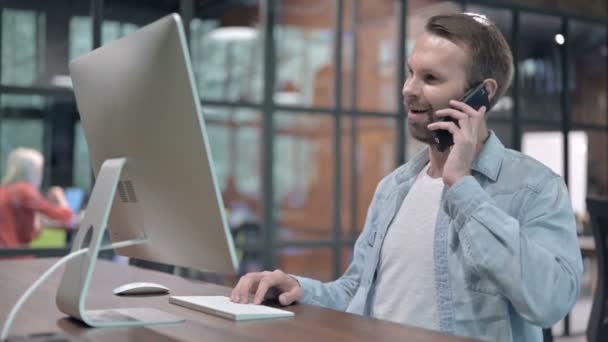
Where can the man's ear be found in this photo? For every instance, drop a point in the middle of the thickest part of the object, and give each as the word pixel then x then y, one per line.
pixel 491 87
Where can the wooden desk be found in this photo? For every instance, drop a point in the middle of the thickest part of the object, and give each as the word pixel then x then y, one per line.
pixel 311 324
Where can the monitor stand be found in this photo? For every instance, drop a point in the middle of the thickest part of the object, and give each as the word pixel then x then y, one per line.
pixel 74 286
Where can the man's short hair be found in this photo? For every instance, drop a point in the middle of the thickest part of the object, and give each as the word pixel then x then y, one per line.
pixel 489 51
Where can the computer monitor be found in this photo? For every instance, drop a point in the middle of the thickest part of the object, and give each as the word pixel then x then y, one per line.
pixel 141 116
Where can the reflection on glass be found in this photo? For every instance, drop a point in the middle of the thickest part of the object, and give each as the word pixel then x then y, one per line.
pixel 589 51
pixel 235 141
pixel 34 48
pixel 540 73
pixel 304 37
pixel 304 176
pixel 227 47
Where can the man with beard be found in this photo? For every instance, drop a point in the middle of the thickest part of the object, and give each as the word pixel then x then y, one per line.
pixel 475 240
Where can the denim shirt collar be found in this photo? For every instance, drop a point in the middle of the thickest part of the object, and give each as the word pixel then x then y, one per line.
pixel 487 163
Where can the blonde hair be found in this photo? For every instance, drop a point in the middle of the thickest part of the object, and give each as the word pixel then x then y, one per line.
pixel 24 165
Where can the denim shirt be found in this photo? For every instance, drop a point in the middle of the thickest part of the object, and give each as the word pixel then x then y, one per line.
pixel 506 254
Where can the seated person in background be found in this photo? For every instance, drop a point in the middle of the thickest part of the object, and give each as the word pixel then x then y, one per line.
pixel 475 240
pixel 21 202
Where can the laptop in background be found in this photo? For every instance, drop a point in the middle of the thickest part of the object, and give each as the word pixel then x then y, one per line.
pixel 75 198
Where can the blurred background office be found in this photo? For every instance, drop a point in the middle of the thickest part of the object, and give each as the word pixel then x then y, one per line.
pixel 302 100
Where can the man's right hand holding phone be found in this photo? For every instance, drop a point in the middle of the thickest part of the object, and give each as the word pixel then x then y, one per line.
pixel 467 141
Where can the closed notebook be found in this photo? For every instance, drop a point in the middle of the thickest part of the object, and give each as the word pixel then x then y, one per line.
pixel 223 307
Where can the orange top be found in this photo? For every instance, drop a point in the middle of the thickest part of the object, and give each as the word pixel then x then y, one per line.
pixel 19 203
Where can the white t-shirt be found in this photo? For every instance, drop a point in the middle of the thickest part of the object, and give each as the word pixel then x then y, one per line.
pixel 405 290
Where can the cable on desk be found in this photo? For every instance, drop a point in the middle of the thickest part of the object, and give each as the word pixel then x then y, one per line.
pixel 45 275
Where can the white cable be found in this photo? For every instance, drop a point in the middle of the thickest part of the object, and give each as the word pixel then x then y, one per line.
pixel 42 278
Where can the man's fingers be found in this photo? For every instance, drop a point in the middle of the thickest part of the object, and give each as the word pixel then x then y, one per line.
pixel 290 296
pixel 447 125
pixel 265 284
pixel 451 113
pixel 240 293
pixel 262 284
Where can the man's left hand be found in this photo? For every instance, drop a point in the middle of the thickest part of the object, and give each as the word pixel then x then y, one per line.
pixel 466 138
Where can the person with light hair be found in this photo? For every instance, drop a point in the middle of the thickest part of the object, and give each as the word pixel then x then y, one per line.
pixel 21 203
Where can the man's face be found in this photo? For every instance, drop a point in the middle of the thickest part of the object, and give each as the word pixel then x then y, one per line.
pixel 437 74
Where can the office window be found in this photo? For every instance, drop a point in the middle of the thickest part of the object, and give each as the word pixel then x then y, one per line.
pixel 17 133
pixel 34 48
pixel 540 73
pixel 235 141
pixel 19 46
pixel 20 125
pixel 304 38
pixel 226 45
pixel 377 66
pixel 304 176
pixel 374 154
pixel 80 36
pixel 589 81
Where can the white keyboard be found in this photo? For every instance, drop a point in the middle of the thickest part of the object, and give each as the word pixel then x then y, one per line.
pixel 222 306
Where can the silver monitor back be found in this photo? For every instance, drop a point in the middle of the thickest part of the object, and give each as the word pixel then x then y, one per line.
pixel 137 100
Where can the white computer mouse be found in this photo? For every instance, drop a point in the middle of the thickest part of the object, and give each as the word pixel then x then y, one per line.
pixel 141 288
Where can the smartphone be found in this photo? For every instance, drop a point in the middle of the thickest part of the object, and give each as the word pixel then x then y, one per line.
pixel 475 97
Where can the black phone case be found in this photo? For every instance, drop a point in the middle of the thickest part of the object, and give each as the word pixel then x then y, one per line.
pixel 476 97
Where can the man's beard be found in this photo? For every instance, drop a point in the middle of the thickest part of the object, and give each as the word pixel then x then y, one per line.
pixel 419 131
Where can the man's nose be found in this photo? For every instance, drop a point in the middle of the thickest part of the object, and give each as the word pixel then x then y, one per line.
pixel 410 89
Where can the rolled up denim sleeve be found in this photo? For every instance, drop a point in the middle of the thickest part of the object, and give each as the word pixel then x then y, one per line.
pixel 534 259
